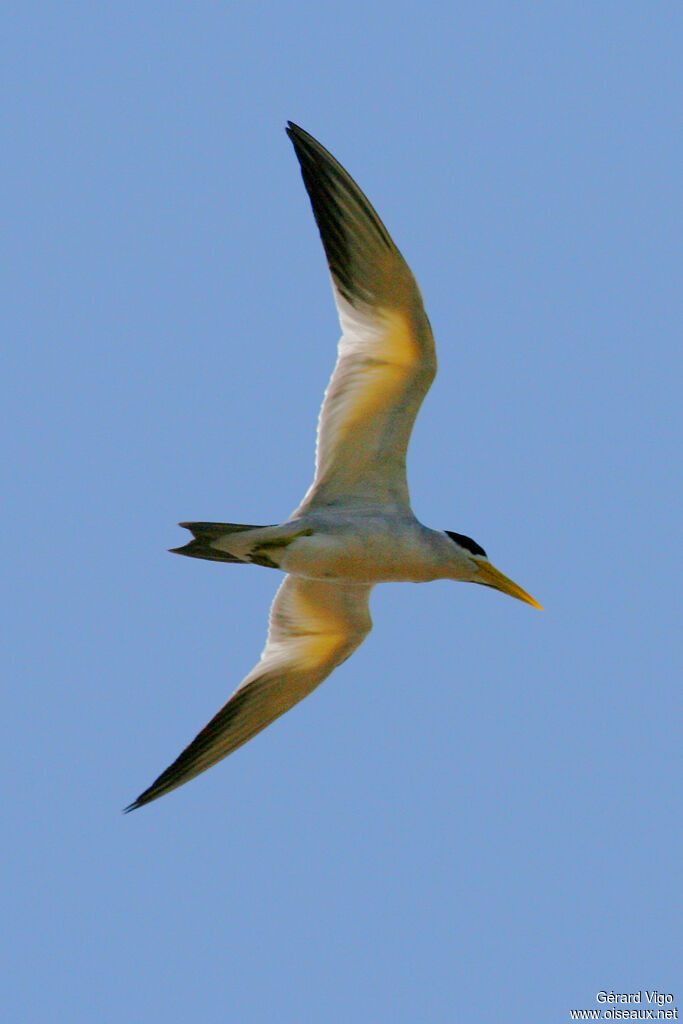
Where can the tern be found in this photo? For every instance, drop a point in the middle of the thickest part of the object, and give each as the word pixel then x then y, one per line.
pixel 354 527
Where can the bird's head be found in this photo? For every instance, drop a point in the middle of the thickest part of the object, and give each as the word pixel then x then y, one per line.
pixel 481 571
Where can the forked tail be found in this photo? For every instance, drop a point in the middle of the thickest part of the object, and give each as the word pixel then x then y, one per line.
pixel 205 536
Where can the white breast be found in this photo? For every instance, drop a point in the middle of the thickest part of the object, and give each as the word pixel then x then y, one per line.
pixel 375 553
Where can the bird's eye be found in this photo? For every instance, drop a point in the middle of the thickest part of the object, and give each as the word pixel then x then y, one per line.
pixel 467 543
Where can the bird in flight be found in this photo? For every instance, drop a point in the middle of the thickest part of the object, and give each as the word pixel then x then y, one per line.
pixel 355 526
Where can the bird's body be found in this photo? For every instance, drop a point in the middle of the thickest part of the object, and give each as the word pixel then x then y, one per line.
pixel 351 546
pixel 354 527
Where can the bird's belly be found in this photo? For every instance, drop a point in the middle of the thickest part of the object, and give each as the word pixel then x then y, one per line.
pixel 372 558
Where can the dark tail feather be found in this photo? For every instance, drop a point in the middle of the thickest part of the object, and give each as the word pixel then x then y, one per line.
pixel 204 534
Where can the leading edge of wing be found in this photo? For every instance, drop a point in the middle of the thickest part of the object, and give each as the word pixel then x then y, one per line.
pixel 314 626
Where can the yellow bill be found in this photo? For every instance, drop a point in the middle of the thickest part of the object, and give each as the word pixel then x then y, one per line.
pixel 492 577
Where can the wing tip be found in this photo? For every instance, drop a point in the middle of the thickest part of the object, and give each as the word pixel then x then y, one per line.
pixel 307 148
pixel 145 797
pixel 148 795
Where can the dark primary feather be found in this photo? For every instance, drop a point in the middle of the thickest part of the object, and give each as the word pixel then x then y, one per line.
pixel 363 260
pixel 240 719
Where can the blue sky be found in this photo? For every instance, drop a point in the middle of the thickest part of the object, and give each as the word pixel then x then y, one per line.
pixel 477 818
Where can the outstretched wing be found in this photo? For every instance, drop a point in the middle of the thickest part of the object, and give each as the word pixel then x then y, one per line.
pixel 386 359
pixel 314 626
